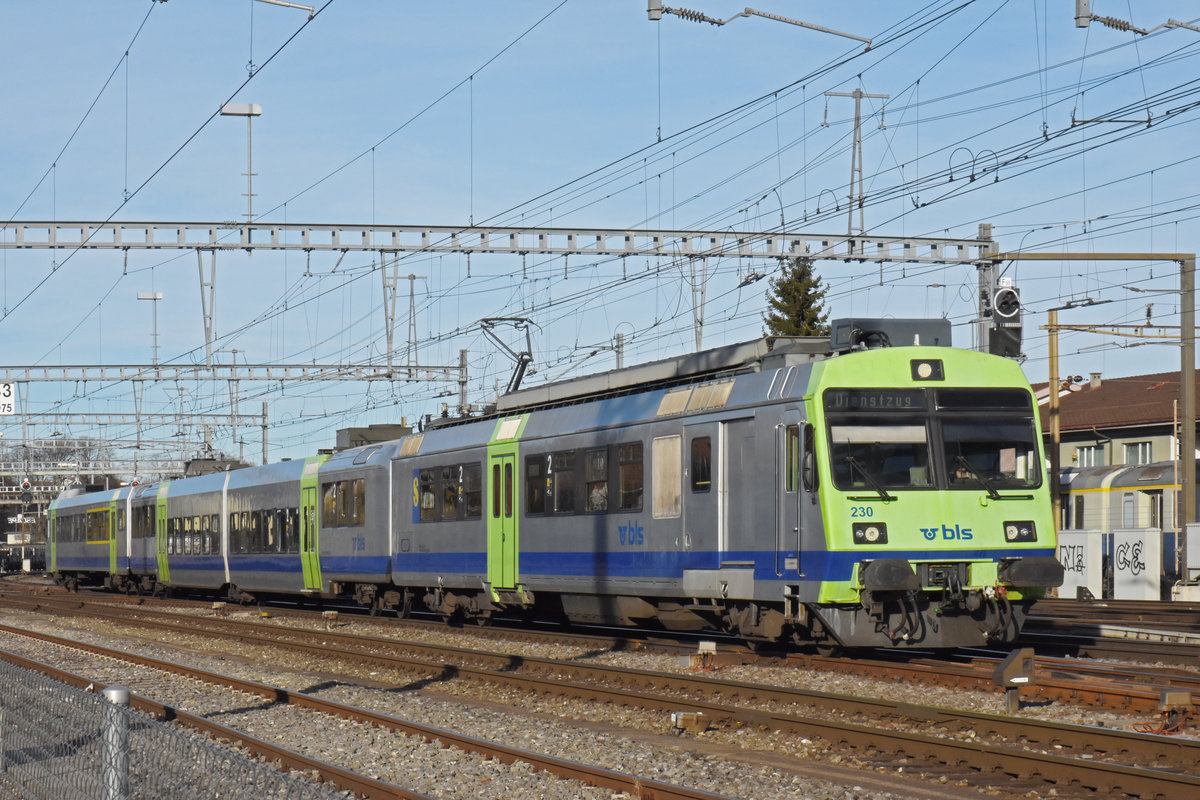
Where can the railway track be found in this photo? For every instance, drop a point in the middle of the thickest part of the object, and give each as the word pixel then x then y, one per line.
pixel 345 779
pixel 1120 629
pixel 1058 680
pixel 978 748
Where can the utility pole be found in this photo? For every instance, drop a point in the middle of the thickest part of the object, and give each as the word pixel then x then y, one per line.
pixel 856 157
pixel 699 288
pixel 412 322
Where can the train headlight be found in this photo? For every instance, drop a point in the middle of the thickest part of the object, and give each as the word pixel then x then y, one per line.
pixel 1020 531
pixel 870 533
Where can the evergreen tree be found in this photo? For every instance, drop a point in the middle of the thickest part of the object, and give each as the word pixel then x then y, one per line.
pixel 796 302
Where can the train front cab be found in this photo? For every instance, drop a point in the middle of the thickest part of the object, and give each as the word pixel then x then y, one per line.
pixel 936 511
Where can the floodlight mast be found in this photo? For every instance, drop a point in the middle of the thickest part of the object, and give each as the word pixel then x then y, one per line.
pixel 655 10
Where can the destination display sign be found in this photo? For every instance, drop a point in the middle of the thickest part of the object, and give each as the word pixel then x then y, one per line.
pixel 874 399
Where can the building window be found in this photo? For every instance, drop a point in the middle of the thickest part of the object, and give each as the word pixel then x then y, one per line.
pixel 1090 456
pixel 1137 453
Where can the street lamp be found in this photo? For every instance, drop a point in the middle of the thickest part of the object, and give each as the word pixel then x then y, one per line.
pixel 154 297
pixel 249 111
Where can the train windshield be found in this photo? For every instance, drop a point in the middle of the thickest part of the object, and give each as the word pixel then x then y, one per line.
pixel 870 456
pixel 881 439
pixel 996 453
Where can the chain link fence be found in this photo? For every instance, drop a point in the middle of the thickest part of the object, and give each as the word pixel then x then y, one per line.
pixel 61 743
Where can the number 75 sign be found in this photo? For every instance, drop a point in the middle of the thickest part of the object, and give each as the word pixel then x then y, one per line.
pixel 8 398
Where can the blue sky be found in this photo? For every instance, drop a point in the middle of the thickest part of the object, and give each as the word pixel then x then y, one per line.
pixel 573 114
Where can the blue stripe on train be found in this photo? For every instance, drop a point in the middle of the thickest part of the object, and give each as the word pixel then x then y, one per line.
pixel 817 566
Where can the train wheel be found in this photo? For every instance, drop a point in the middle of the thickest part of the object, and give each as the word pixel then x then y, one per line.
pixel 376 607
pixel 829 649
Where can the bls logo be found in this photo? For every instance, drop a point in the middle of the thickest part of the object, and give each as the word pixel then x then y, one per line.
pixel 947 533
pixel 631 534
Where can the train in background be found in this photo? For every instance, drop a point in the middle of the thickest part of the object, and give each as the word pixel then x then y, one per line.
pixel 841 492
pixel 1106 500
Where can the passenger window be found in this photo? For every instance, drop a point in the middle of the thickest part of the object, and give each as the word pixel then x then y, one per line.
pixel 329 505
pixel 449 493
pixel 667 467
pixel 562 473
pixel 359 490
pixel 629 476
pixel 701 464
pixel 535 484
pixel 471 495
pixel 428 498
pixel 597 481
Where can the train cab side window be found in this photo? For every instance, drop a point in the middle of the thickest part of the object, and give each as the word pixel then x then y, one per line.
pixel 563 476
pixel 597 481
pixel 630 479
pixel 666 465
pixel 427 490
pixel 701 464
pixel 1078 501
pixel 808 461
pixel 791 458
pixel 535 485
pixel 472 495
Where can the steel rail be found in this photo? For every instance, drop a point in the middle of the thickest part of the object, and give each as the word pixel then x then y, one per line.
pixel 1099 775
pixel 559 767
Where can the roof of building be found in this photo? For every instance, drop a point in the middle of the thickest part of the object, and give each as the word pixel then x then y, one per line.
pixel 1115 402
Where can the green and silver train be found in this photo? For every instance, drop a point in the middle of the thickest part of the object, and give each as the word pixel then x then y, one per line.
pixel 844 493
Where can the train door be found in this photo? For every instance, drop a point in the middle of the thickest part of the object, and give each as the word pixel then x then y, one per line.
pixel 160 534
pixel 310 523
pixel 502 520
pixel 703 496
pixel 114 531
pixel 789 448
pixel 310 558
pixel 52 537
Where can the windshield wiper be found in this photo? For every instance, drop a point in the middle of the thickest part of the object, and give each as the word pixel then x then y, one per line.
pixel 869 479
pixel 991 490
